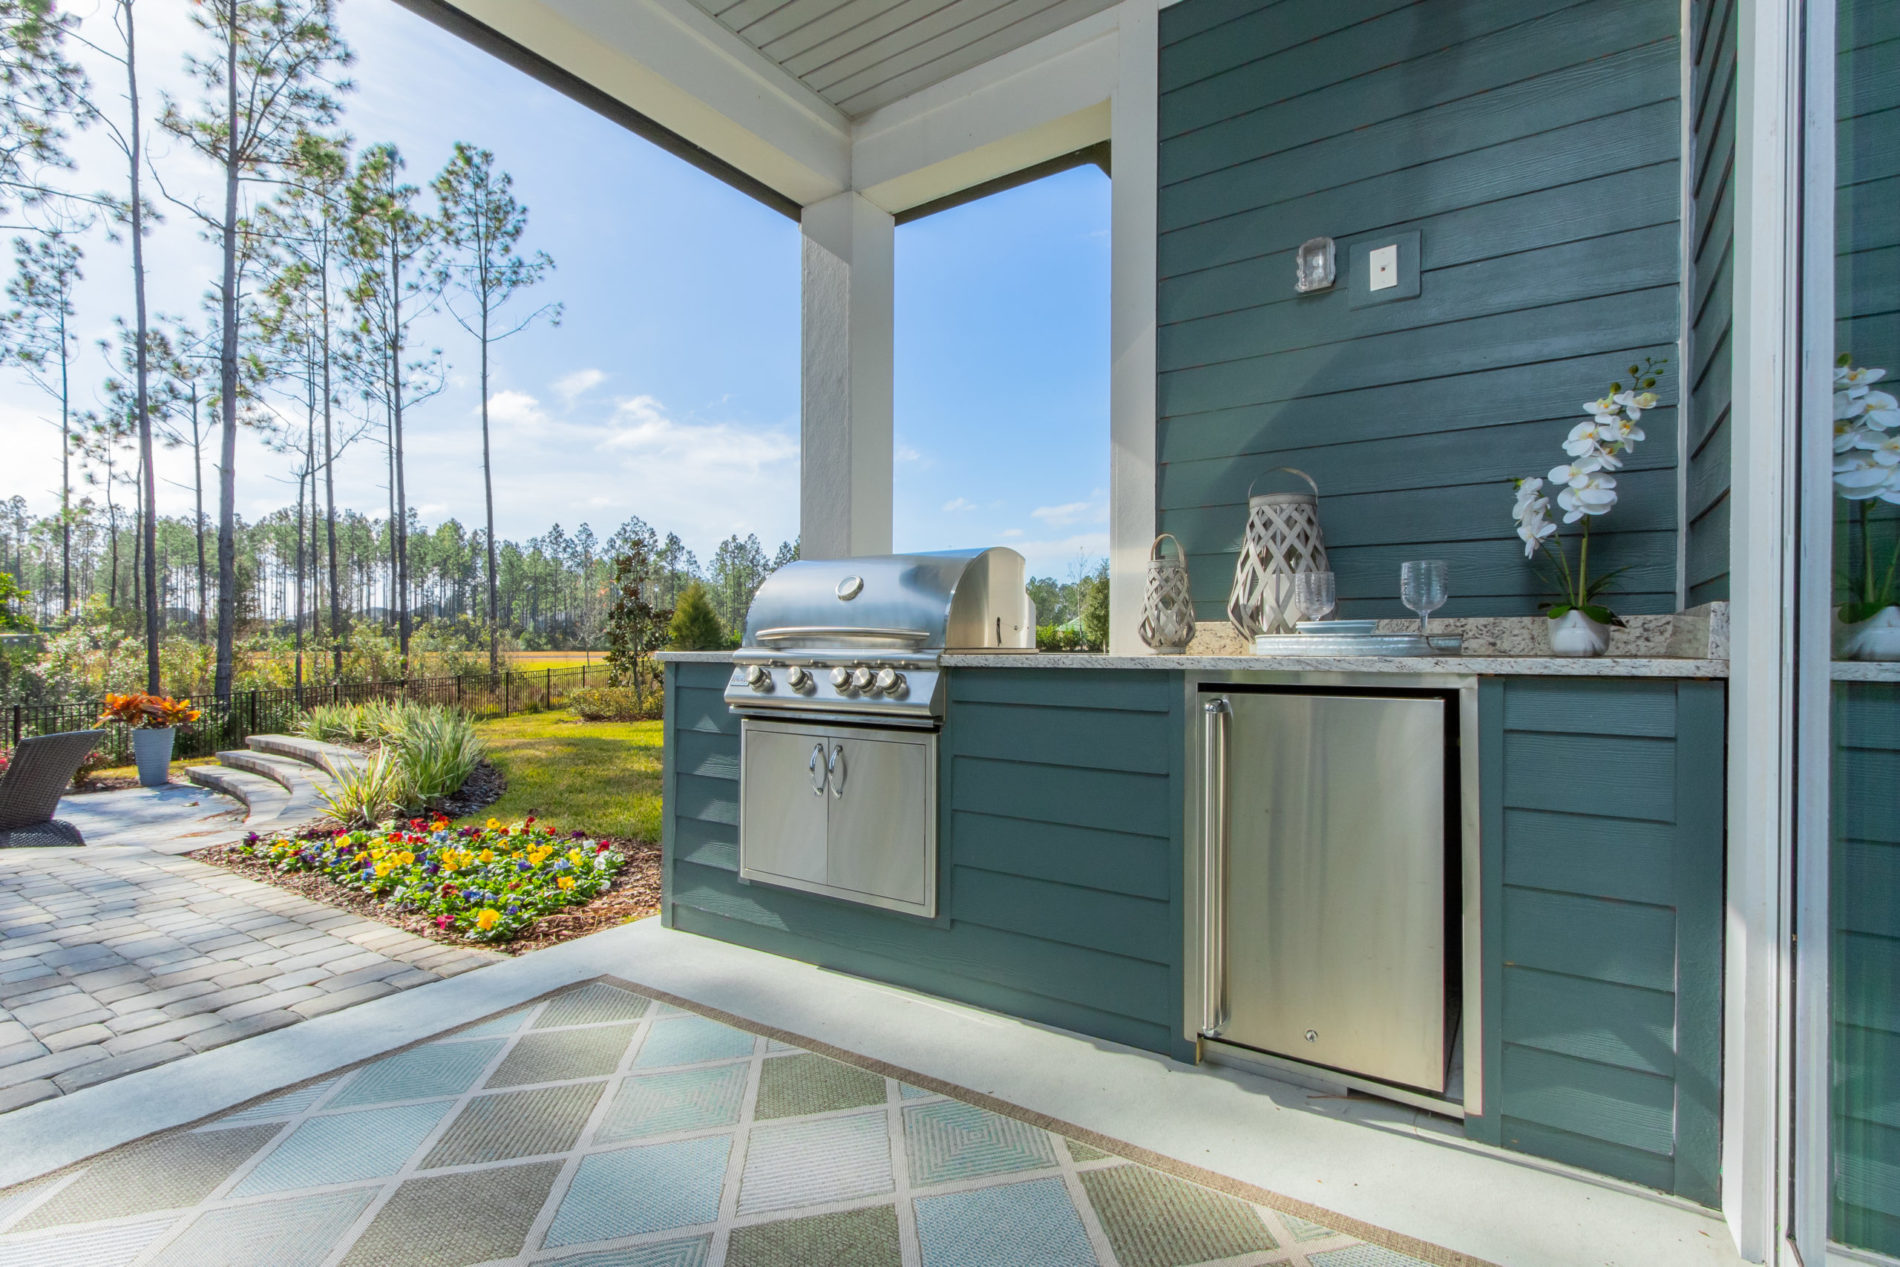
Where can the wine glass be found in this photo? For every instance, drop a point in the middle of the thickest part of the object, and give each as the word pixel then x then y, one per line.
pixel 1424 587
pixel 1314 594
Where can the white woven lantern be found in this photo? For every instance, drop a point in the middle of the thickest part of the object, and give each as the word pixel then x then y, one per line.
pixel 1283 538
pixel 1167 608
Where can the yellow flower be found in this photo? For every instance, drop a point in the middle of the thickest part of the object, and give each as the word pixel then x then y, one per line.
pixel 493 823
pixel 383 869
pixel 487 918
pixel 405 857
pixel 576 857
pixel 566 882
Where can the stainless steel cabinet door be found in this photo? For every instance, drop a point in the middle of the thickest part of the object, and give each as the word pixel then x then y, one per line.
pixel 882 811
pixel 1335 910
pixel 782 804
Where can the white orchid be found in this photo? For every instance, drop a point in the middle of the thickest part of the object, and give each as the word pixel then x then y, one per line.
pixel 1585 487
pixel 1634 402
pixel 1532 513
pixel 1621 432
pixel 1860 476
pixel 1576 470
pixel 1594 494
pixel 1584 439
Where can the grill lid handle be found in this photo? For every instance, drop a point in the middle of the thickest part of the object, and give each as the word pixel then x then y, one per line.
pixel 842 634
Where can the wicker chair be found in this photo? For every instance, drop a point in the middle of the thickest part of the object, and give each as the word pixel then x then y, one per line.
pixel 42 768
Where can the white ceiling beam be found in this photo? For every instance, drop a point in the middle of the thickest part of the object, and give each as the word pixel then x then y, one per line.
pixel 673 63
pixel 1039 102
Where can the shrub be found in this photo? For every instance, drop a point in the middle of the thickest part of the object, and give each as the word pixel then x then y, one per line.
pixel 370 793
pixel 485 883
pixel 95 761
pixel 1059 638
pixel 438 749
pixel 615 703
pixel 332 723
pixel 695 624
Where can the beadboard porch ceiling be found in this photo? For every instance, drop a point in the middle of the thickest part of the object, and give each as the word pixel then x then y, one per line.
pixel 862 54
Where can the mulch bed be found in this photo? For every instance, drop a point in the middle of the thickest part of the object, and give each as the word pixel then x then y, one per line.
pixel 635 893
pixel 105 783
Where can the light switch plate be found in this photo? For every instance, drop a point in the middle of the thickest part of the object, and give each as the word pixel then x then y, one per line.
pixel 1382 268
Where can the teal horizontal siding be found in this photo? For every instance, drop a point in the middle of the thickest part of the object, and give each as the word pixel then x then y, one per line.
pixel 1601 819
pixel 1711 317
pixel 1534 145
pixel 1864 993
pixel 1059 854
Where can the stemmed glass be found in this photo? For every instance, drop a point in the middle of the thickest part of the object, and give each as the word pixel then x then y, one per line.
pixel 1424 586
pixel 1314 594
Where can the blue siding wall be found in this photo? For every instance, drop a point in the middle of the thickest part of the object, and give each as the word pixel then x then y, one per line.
pixel 1603 828
pixel 1711 315
pixel 1534 145
pixel 1866 965
pixel 1059 853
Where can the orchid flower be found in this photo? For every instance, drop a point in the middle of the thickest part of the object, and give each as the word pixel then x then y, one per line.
pixel 1594 494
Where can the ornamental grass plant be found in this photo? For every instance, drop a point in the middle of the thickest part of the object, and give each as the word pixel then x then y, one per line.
pixel 423 753
pixel 486 884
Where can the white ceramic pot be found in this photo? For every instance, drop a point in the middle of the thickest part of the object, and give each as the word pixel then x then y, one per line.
pixel 1875 638
pixel 1574 633
pixel 152 749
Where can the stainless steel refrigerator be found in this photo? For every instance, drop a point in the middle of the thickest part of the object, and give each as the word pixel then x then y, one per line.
pixel 1331 873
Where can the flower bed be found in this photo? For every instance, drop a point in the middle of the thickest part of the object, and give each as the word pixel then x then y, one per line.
pixel 485 884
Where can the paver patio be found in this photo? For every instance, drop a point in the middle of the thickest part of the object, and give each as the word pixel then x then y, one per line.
pixel 120 958
pixel 601 1127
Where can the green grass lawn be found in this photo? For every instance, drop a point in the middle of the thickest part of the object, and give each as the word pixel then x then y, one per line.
pixel 601 777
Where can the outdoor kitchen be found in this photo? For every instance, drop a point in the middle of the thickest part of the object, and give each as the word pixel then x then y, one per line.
pixel 1411 771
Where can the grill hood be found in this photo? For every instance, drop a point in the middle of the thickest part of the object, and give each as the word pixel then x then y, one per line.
pixel 950 600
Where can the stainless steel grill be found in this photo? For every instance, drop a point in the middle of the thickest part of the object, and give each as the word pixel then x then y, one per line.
pixel 840 688
pixel 863 639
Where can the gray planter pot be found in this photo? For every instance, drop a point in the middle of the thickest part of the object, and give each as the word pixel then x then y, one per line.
pixel 152 748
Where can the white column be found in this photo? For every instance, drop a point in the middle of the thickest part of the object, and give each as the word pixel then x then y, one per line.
pixel 1135 141
pixel 845 468
pixel 1761 607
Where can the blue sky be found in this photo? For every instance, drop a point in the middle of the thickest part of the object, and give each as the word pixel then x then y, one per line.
pixel 670 390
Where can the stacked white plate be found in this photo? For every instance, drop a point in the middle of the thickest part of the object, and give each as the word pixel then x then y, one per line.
pixel 1350 638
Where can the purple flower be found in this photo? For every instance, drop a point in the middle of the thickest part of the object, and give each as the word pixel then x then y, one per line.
pixel 513 909
pixel 523 865
pixel 431 869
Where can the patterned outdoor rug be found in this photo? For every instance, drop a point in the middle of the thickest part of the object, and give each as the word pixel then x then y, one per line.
pixel 603 1127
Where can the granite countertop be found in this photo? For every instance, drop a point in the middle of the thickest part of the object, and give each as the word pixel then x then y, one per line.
pixel 1497 666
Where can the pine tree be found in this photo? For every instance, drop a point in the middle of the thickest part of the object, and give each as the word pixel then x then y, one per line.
pixel 481 225
pixel 695 625
pixel 398 278
pixel 268 82
pixel 38 337
pixel 41 94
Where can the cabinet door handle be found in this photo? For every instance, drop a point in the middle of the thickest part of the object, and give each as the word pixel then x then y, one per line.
pixel 835 770
pixel 818 769
pixel 1214 869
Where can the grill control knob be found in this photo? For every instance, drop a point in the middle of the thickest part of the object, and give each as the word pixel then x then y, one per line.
pixel 759 678
pixel 862 679
pixel 890 682
pixel 841 678
pixel 797 678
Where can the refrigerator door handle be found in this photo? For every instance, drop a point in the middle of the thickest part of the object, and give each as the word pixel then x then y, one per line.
pixel 1214 869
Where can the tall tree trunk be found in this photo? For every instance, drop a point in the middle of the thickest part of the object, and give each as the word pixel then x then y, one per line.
pixel 302 476
pixel 65 471
pixel 402 499
pixel 228 376
pixel 488 492
pixel 389 448
pixel 198 523
pixel 329 464
pixel 148 515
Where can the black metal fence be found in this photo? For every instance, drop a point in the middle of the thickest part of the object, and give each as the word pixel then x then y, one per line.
pixel 263 712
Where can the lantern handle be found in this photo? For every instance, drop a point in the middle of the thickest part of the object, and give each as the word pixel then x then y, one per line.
pixel 1290 471
pixel 1154 551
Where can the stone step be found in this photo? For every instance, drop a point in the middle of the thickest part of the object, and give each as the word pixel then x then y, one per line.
pixel 328 757
pixel 305 783
pixel 264 798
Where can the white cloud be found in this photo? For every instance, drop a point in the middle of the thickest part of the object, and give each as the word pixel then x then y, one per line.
pixel 959 503
pixel 515 409
pixel 571 386
pixel 1071 513
pixel 1010 533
